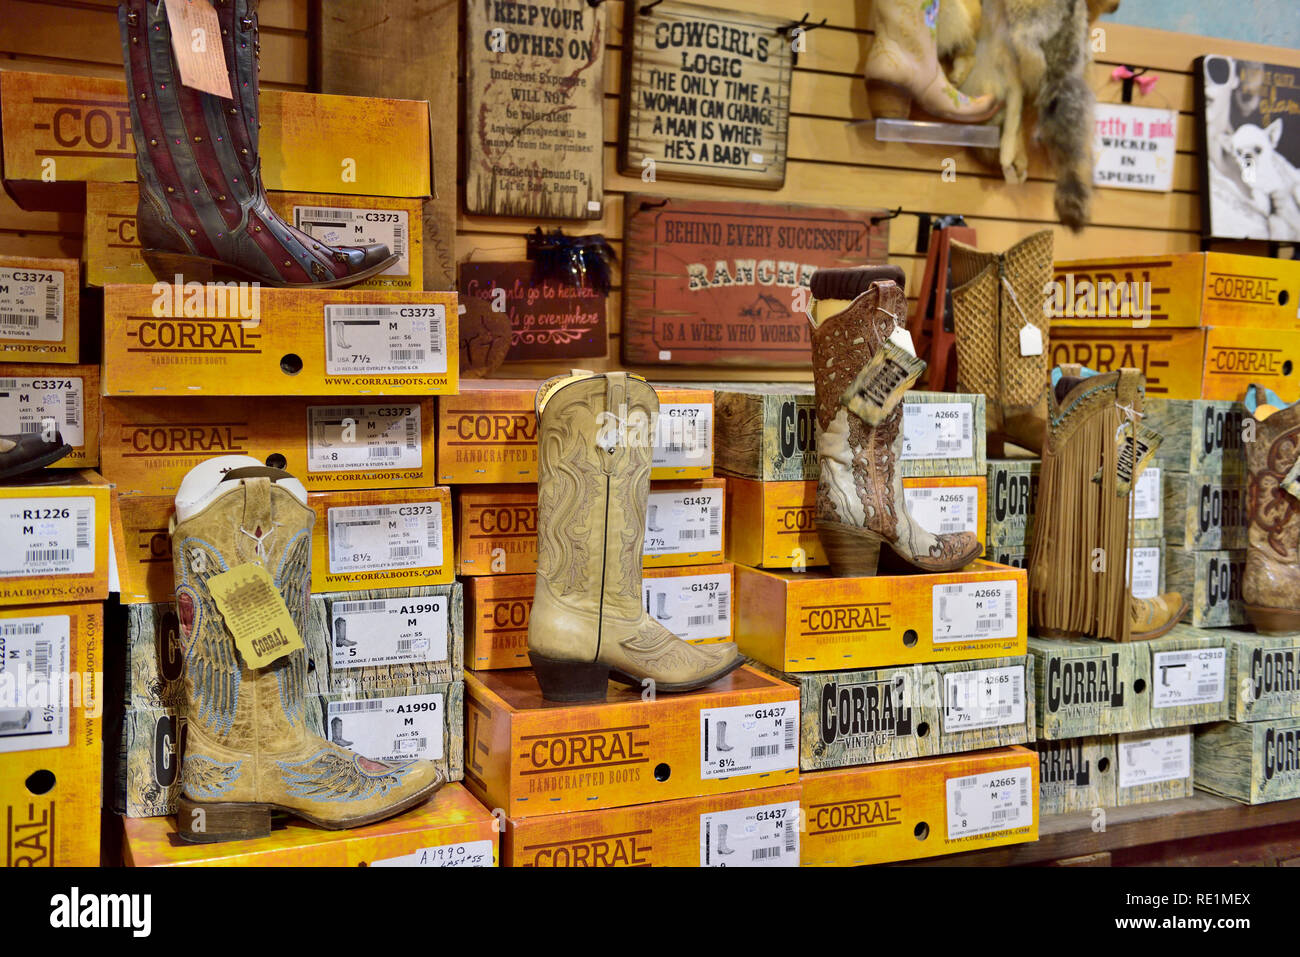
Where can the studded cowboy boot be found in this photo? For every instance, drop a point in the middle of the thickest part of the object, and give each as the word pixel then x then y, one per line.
pixel 30 452
pixel 249 751
pixel 203 213
pixel 903 63
pixel 860 502
pixel 588 623
pixel 1078 582
pixel 1271 586
pixel 997 315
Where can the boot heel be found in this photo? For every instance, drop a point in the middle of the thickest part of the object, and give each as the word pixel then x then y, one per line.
pixel 1273 621
pixel 570 680
pixel 851 554
pixel 200 823
pixel 887 101
pixel 166 266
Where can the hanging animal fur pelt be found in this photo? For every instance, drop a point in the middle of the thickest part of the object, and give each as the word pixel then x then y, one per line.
pixel 572 260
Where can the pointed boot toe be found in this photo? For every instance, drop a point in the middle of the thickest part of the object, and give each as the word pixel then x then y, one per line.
pixel 1152 617
pixel 30 452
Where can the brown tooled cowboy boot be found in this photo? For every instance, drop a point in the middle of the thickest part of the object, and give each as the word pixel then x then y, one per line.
pixel 203 213
pixel 1078 581
pixel 589 622
pixel 995 297
pixel 1271 585
pixel 860 502
pixel 249 751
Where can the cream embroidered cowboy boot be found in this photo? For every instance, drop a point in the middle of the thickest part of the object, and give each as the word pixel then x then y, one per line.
pixel 588 623
pixel 1271 586
pixel 249 751
pixel 903 62
pixel 998 316
pixel 860 501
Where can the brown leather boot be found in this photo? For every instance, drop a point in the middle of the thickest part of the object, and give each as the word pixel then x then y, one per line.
pixel 860 500
pixel 1271 586
pixel 203 214
pixel 249 751
pixel 1152 617
pixel 588 623
pixel 995 296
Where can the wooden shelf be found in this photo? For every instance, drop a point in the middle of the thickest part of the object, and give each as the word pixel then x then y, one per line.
pixel 1067 836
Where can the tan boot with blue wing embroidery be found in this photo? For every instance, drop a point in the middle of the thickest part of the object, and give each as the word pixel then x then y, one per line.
pixel 250 751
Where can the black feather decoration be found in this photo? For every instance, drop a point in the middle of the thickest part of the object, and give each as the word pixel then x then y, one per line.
pixel 572 260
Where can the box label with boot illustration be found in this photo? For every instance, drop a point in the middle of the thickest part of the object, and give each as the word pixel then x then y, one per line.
pixel 40 398
pixel 40 307
pixel 1187 673
pixel 391 538
pixel 58 540
pixel 1153 766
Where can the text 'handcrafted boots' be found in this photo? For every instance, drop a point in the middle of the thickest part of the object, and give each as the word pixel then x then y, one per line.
pixel 1271 587
pixel 203 213
pixel 998 316
pixel 860 501
pixel 589 623
pixel 1078 560
pixel 249 750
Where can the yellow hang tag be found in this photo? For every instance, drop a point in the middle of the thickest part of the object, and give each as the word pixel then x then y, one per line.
pixel 196 41
pixel 255 613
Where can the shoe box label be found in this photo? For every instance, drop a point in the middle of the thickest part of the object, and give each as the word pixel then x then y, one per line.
pixel 988 698
pixel 338 226
pixel 938 430
pixel 400 728
pixel 1147 495
pixel 945 510
pixel 1150 759
pixel 1144 565
pixel 1182 678
pixel 684 436
pixel 53 536
pixel 382 339
pixel 34 669
pixel 342 438
pixel 748 739
pixel 460 854
pixel 389 631
pixel 684 520
pixel 974 611
pixel 763 836
pixel 985 803
pixel 691 606
pixel 31 304
pixel 27 404
pixel 385 537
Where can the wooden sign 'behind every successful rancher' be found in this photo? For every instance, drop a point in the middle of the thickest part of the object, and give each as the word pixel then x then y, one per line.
pixel 707 96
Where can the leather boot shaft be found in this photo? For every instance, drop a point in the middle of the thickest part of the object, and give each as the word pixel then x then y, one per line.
pixel 1271 586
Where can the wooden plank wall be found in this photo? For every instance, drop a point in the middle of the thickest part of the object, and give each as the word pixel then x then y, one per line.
pixel 831 161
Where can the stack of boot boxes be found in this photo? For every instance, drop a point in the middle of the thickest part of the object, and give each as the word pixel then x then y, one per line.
pixel 1115 719
pixel 1254 756
pixel 1206 514
pixel 487 450
pixel 766 449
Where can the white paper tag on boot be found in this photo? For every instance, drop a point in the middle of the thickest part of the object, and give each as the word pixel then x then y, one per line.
pixel 196 41
pixel 1031 341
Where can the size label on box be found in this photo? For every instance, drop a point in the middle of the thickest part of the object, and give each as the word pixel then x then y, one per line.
pixel 974 611
pixel 691 606
pixel 684 435
pixel 1147 494
pixel 401 728
pixel 985 803
pixel 385 339
pixel 341 438
pixel 1188 677
pixel 465 854
pixel 765 836
pixel 34 684
pixel 684 521
pixel 939 430
pixel 28 405
pixel 945 511
pixel 989 698
pixel 47 536
pixel 1144 572
pixel 389 631
pixel 1166 757
pixel 749 739
pixel 31 305
pixel 382 537
pixel 359 227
